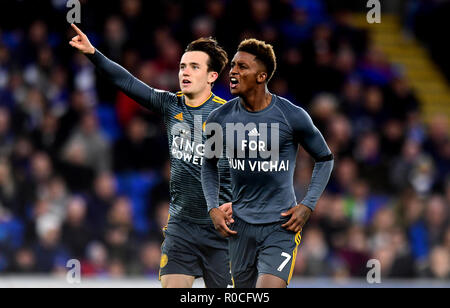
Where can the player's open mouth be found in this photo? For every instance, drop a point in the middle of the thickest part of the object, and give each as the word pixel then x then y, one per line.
pixel 185 82
pixel 233 82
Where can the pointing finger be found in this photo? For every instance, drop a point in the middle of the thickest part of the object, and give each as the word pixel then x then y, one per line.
pixel 77 30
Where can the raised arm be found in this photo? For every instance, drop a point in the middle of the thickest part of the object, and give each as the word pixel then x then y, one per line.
pixel 146 96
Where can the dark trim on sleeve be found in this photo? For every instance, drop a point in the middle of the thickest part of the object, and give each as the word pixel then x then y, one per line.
pixel 325 158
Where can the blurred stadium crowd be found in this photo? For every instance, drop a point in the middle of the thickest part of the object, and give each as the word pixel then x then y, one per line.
pixel 84 170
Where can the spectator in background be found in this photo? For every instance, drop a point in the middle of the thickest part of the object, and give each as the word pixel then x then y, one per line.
pixel 382 224
pixel 74 167
pixel 23 262
pixel 345 174
pixel 357 202
pixel 436 219
pixel 149 259
pixel 412 213
pixel 6 137
pixel 37 74
pixel 101 199
pixel 33 108
pixel 446 241
pixel 403 265
pixel 84 80
pixel 133 21
pixel 439 265
pixel 375 68
pixel 335 224
pixel 76 233
pixel 7 187
pixel 323 108
pixel 20 166
pixel 314 253
pixel 438 146
pixel 369 157
pixel 339 135
pixel 116 269
pixel 355 253
pixel 95 145
pixel 402 98
pixel 438 135
pixel 44 137
pixel 56 194
pixel 351 101
pixel 392 138
pixel 13 93
pixel 136 150
pixel 41 171
pixel 4 67
pixel 115 38
pixel 423 175
pixel 447 190
pixel 119 234
pixel 402 165
pixel 49 250
pixel 96 261
pixel 79 104
pixel 58 91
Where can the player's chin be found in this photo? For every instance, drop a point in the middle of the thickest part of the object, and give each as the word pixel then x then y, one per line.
pixel 235 92
pixel 186 91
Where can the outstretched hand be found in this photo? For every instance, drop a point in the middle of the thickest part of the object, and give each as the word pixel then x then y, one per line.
pixel 220 220
pixel 299 216
pixel 81 41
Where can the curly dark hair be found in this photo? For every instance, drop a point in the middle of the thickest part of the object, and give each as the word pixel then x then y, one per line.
pixel 263 52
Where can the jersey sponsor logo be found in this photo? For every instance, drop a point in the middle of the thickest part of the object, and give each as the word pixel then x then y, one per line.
pixel 185 145
pixel 249 147
pixel 187 150
pixel 253 133
pixel 259 166
pixel 179 116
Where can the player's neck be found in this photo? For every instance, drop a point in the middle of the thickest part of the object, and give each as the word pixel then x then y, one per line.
pixel 257 100
pixel 196 100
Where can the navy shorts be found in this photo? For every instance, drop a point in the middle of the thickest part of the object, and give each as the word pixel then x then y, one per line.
pixel 195 250
pixel 261 249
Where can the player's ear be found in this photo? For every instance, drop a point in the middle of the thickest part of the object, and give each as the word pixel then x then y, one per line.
pixel 212 76
pixel 261 77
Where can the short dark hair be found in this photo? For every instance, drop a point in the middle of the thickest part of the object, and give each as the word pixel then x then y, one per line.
pixel 218 57
pixel 263 52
